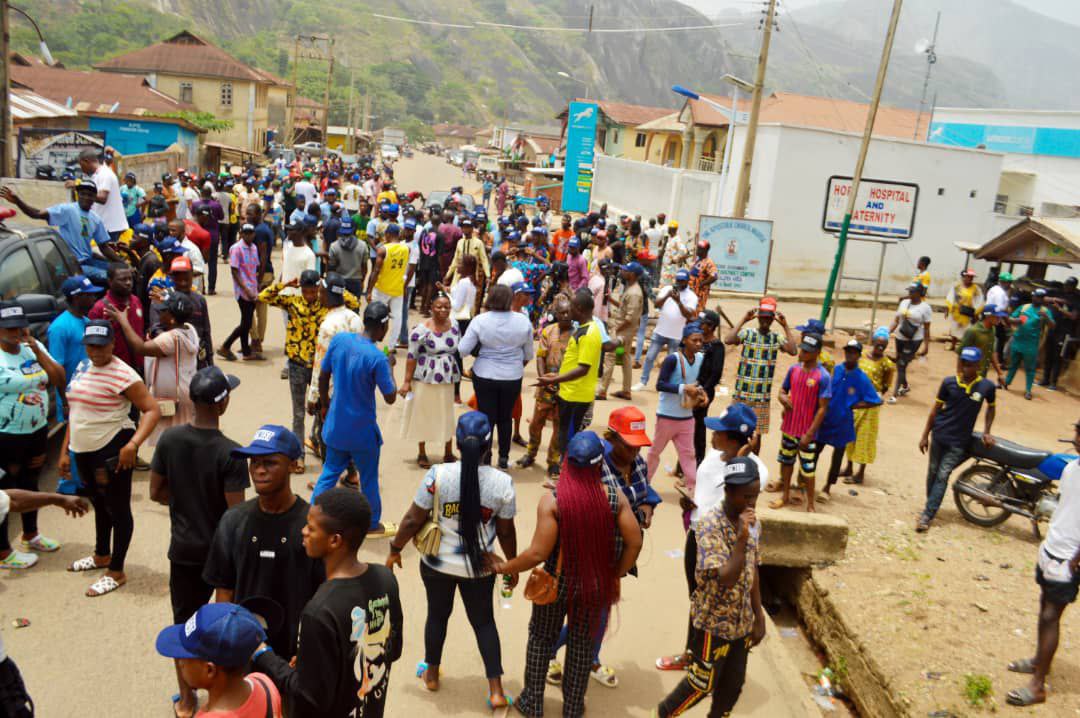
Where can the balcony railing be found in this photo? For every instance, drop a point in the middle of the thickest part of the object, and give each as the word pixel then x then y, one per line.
pixel 706 164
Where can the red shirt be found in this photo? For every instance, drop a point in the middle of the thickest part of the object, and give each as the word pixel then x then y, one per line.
pixel 199 236
pixel 559 240
pixel 255 705
pixel 136 319
pixel 805 388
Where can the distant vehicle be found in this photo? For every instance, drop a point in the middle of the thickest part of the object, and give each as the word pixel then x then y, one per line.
pixel 312 148
pixel 407 152
pixel 487 163
pixel 34 262
pixel 455 157
pixel 389 152
pixel 393 136
pixel 439 197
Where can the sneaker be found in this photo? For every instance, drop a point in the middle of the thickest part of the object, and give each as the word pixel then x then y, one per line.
pixel 1051 387
pixel 526 461
pixel 638 387
pixel 41 543
pixel 285 372
pixel 18 560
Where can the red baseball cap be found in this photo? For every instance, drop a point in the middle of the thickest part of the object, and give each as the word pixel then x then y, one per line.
pixel 180 264
pixel 629 423
pixel 767 306
pixel 703 244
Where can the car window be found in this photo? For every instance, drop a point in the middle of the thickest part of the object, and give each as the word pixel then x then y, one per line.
pixel 55 269
pixel 18 275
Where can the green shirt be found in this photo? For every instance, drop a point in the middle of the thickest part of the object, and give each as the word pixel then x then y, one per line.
pixel 981 336
pixel 1032 320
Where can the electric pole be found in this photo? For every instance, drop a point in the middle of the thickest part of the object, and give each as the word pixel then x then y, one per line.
pixel 742 194
pixel 931 60
pixel 350 140
pixel 326 95
pixel 5 100
pixel 868 132
pixel 291 108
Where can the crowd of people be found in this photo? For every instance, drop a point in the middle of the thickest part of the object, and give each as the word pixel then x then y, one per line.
pixel 298 625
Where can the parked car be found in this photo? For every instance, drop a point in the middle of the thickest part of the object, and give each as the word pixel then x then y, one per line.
pixel 389 152
pixel 439 197
pixel 312 148
pixel 34 262
pixel 455 157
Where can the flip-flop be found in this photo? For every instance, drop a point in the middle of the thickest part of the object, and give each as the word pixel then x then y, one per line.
pixel 823 498
pixel 672 663
pixel 504 707
pixel 85 564
pixel 423 462
pixel 1022 697
pixel 773 486
pixel 779 504
pixel 105 584
pixel 421 669
pixel 1023 665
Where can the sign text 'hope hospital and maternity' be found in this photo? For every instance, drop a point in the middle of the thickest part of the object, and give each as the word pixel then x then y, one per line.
pixel 882 209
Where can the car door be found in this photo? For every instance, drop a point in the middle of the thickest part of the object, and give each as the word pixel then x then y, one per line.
pixel 23 278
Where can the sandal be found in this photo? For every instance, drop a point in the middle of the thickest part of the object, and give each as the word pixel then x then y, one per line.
pixel 507 702
pixel 623 395
pixel 105 584
pixel 554 673
pixel 41 543
pixel 1022 697
pixel 779 504
pixel 226 354
pixel 1023 665
pixel 853 480
pixel 673 663
pixel 18 560
pixel 86 563
pixel 823 497
pixel 421 669
pixel 605 676
pixel 773 486
pixel 423 461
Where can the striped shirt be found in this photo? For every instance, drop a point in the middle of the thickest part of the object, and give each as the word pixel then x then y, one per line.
pixel 805 388
pixel 753 381
pixel 99 409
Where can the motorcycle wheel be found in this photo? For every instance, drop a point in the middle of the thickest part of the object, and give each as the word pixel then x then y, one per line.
pixel 988 479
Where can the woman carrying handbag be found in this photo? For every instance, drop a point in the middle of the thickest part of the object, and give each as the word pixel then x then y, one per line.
pixel 680 394
pixel 586 538
pixel 459 510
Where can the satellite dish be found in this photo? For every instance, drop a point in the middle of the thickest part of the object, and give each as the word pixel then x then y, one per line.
pixel 922 46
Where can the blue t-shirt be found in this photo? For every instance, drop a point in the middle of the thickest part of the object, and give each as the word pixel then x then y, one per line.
pixel 65 345
pixel 358 368
pixel 24 395
pixel 78 228
pixel 849 387
pixel 132 196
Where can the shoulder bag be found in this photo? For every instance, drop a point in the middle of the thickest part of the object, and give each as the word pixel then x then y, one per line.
pixel 687 401
pixel 167 407
pixel 542 588
pixel 428 539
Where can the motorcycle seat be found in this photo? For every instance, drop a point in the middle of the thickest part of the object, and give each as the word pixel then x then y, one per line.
pixel 1007 453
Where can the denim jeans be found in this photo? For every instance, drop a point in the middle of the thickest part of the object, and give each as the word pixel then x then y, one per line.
pixel 299 379
pixel 403 335
pixel 944 459
pixel 657 343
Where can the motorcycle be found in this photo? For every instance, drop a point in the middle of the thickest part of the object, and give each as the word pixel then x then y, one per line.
pixel 1008 478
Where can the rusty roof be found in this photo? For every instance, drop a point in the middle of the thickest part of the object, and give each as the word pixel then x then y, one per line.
pixel 92 91
pixel 789 108
pixel 186 54
pixel 622 113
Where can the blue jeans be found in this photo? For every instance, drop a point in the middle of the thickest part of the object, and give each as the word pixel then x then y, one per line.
pixel 367 465
pixel 95 269
pixel 657 343
pixel 639 348
pixel 943 461
pixel 564 633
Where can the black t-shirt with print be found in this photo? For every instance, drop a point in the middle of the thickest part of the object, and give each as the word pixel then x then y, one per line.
pixel 960 405
pixel 259 554
pixel 200 469
pixel 350 633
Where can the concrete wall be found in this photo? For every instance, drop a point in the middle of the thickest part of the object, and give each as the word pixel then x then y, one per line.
pixel 148 167
pixel 36 193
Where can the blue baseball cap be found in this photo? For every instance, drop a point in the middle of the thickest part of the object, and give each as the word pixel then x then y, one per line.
pixel 812 326
pixel 1039 293
pixel 79 284
pixel 585 449
pixel 992 310
pixel 633 268
pixel 346 227
pixel 881 333
pixel 473 423
pixel 513 236
pixel 971 354
pixel 738 418
pixel 169 245
pixel 537 221
pixel 691 328
pixel 574 243
pixel 393 229
pixel 392 208
pixel 271 439
pixel 224 634
pixel 682 276
pixel 523 288
pixel 143 230
pixel 310 220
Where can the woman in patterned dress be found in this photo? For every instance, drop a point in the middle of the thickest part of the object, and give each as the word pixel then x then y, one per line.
pixel 431 370
pixel 881 371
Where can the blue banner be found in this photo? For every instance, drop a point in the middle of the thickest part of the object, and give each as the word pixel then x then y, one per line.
pixel 1053 141
pixel 580 143
pixel 741 249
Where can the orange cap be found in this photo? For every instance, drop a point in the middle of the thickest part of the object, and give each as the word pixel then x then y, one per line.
pixel 629 423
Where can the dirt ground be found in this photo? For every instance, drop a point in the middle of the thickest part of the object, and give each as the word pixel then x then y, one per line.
pixel 912 599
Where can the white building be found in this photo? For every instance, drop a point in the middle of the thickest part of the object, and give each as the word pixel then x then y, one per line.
pixel 791 171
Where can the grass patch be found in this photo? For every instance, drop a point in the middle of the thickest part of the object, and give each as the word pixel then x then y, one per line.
pixel 978 690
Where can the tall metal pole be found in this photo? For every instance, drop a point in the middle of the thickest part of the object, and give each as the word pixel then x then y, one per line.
pixel 931 59
pixel 742 195
pixel 868 132
pixel 291 119
pixel 326 95
pixel 350 139
pixel 728 144
pixel 5 100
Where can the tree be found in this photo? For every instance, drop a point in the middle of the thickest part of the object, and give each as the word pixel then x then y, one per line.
pixel 202 120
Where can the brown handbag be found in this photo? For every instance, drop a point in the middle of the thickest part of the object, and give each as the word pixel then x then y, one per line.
pixel 542 588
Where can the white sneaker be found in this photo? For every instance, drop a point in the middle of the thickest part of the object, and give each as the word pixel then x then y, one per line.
pixel 638 387
pixel 18 560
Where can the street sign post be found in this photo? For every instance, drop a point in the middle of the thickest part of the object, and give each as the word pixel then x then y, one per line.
pixel 882 209
pixel 741 250
pixel 580 145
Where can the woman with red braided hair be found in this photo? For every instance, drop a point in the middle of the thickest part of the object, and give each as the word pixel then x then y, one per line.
pixel 587 538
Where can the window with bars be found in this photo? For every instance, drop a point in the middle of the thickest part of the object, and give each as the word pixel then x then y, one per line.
pixel 639 140
pixel 226 94
pixel 186 92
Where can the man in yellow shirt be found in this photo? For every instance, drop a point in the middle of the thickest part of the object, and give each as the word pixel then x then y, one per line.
pixel 579 371
pixel 388 195
pixel 389 277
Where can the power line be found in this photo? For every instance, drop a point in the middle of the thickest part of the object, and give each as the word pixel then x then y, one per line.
pixel 604 29
pixel 422 22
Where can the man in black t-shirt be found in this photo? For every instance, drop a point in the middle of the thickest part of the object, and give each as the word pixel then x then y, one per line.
pixel 350 631
pixel 952 419
pixel 194 473
pixel 258 549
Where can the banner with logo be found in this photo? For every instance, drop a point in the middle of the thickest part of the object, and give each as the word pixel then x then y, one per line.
pixel 741 249
pixel 59 149
pixel 580 145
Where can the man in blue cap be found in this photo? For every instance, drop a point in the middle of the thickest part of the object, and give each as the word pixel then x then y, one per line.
pixel 983 334
pixel 389 275
pixel 258 548
pixel 348 256
pixel 952 420
pixel 1028 320
pixel 212 650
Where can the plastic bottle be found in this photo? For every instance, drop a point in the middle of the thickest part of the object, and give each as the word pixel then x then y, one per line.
pixel 507 592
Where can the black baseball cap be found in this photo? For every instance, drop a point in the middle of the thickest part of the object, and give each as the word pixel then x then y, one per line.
pixel 376 313
pixel 210 385
pixel 309 278
pixel 335 288
pixel 12 315
pixel 740 471
pixel 811 342
pixel 98 333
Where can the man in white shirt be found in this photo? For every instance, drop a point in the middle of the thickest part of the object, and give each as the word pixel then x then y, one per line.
pixel 351 194
pixel 109 204
pixel 998 295
pixel 654 235
pixel 1057 571
pixel 676 304
pixel 503 273
pixel 296 257
pixel 304 188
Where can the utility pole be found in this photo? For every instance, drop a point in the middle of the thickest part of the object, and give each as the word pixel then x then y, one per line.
pixel 350 139
pixel 5 101
pixel 291 109
pixel 742 194
pixel 326 96
pixel 590 17
pixel 931 60
pixel 365 119
pixel 868 132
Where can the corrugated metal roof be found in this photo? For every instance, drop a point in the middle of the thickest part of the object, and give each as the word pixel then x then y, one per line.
pixel 27 105
pixel 187 54
pixel 96 91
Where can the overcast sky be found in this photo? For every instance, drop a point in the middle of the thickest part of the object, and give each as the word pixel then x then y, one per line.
pixel 1068 10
